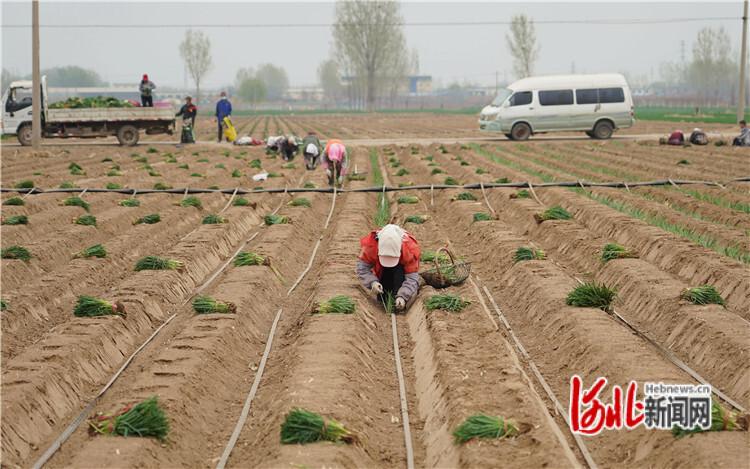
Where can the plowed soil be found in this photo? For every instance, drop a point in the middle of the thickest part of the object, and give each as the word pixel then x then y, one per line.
pixel 202 366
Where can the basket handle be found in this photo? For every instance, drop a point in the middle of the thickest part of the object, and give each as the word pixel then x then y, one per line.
pixel 437 258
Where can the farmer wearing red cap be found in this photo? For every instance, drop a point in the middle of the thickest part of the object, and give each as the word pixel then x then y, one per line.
pixel 335 161
pixel 146 88
pixel 388 264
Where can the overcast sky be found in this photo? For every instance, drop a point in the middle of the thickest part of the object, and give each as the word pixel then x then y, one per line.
pixel 449 53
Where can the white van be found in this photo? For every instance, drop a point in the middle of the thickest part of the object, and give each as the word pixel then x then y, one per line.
pixel 595 104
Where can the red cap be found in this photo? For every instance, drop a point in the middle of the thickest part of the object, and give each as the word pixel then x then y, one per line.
pixel 145 76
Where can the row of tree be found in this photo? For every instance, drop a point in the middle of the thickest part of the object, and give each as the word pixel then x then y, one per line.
pixel 68 76
pixel 710 75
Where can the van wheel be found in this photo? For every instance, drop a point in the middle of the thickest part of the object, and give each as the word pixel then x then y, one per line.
pixel 603 130
pixel 520 131
pixel 127 135
pixel 24 134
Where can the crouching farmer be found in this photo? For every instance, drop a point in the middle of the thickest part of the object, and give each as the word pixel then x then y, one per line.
pixel 389 263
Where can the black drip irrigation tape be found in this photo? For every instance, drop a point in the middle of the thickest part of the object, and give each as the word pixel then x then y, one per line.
pixel 479 185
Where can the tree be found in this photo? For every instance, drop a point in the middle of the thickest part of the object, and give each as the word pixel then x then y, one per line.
pixel 711 72
pixel 72 76
pixel 275 79
pixel 522 45
pixel 330 81
pixel 252 90
pixel 369 44
pixel 195 50
pixel 7 78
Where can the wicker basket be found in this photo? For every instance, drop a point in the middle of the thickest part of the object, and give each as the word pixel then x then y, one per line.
pixel 446 275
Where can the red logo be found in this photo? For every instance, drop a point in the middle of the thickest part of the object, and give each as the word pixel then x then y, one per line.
pixel 589 416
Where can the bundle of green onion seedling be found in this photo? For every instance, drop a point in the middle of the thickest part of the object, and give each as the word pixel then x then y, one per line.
pixel 143 420
pixel 160 186
pixel 339 304
pixel 86 220
pixel 522 194
pixel 191 201
pixel 402 172
pixel 416 219
pixel 15 252
pixel 213 220
pixel 242 202
pixel 436 171
pixel 76 202
pixel 275 220
pixel 255 164
pixel 484 426
pixel 465 196
pixel 89 306
pixel 14 201
pixel 148 219
pixel 246 258
pixel 408 199
pixel 525 253
pixel 615 251
pixel 75 169
pixel 236 173
pixel 158 263
pixel 591 295
pixel 446 302
pixel 97 250
pixel 703 295
pixel 300 202
pixel 130 203
pixel 16 220
pixel 311 185
pixel 429 256
pixel 721 420
pixel 501 181
pixel 208 305
pixel 25 184
pixel 113 186
pixel 451 181
pixel 302 426
pixel 482 216
pixel 553 213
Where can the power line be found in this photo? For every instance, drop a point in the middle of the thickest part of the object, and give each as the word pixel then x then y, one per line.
pixel 611 21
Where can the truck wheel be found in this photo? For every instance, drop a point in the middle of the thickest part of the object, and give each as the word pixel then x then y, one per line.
pixel 127 135
pixel 603 130
pixel 520 131
pixel 24 134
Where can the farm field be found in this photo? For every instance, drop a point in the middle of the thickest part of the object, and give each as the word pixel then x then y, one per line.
pixel 400 126
pixel 202 366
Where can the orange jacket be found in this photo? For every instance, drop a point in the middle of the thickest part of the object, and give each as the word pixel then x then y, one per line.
pixel 409 254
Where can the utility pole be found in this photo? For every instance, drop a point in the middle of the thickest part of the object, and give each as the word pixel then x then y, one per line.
pixel 36 82
pixel 743 66
pixel 497 78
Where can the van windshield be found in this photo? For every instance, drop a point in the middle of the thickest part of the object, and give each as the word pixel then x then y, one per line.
pixel 502 95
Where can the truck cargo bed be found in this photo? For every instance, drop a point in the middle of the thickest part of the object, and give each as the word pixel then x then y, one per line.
pixel 109 114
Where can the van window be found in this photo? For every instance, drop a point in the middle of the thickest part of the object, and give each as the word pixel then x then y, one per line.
pixel 556 97
pixel 611 95
pixel 590 96
pixel 521 98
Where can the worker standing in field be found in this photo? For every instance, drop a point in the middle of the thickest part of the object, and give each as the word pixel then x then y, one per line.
pixel 188 111
pixel 147 88
pixel 311 149
pixel 335 161
pixel 388 264
pixel 223 109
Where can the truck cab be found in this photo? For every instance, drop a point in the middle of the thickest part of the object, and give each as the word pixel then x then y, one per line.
pixel 17 108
